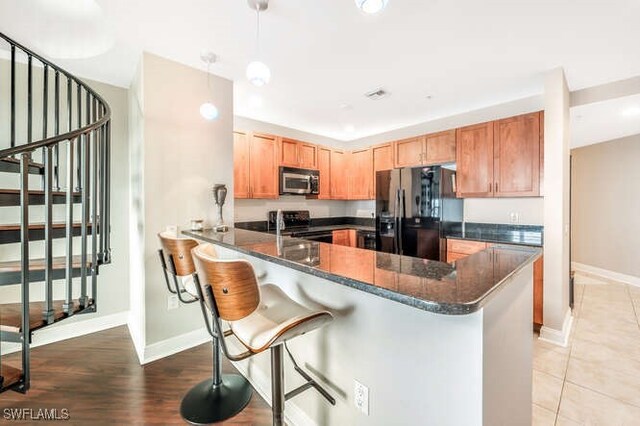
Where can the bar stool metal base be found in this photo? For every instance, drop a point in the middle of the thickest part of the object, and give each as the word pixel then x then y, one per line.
pixel 204 404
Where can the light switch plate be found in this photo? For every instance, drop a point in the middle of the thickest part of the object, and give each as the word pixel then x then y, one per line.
pixel 172 302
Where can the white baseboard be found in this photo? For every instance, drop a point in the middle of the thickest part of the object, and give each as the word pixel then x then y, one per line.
pixel 80 325
pixel 558 337
pixel 605 273
pixel 174 345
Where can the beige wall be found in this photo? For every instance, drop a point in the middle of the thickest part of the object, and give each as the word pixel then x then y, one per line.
pixel 177 156
pixel 605 205
pixel 498 210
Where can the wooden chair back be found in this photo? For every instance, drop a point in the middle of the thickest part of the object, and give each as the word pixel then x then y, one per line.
pixel 180 250
pixel 233 283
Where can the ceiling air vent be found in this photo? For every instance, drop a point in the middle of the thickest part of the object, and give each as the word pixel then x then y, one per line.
pixel 376 94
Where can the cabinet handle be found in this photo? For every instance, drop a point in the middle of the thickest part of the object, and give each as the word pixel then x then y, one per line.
pixel 496 186
pixel 489 186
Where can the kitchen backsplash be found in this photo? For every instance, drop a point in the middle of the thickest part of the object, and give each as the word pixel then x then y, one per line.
pixel 252 210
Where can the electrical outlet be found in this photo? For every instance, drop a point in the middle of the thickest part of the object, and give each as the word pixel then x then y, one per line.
pixel 172 302
pixel 361 397
pixel 514 217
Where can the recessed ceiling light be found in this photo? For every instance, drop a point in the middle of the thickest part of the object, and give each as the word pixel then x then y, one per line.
pixel 371 6
pixel 428 97
pixel 631 111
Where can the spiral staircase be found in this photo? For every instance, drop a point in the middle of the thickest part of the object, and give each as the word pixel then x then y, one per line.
pixel 54 194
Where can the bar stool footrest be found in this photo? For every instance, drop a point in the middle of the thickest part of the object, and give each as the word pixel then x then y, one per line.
pixel 311 383
pixel 205 404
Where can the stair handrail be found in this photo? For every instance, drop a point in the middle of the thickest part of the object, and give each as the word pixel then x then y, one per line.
pixel 106 116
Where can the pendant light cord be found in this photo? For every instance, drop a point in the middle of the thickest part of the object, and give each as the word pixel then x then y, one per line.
pixel 258 31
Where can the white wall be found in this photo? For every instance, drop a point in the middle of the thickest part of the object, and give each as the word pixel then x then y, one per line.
pixel 605 205
pixel 177 157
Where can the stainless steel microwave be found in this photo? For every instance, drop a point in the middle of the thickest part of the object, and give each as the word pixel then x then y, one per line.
pixel 299 181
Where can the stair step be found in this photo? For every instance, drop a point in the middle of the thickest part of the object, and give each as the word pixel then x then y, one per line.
pixel 11 233
pixel 10 272
pixel 12 165
pixel 11 197
pixel 11 319
pixel 11 376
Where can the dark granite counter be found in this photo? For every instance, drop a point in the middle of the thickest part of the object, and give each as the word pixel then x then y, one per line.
pixel 319 224
pixel 527 235
pixel 450 289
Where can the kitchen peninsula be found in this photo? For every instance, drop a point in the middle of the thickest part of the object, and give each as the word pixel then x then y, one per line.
pixel 426 338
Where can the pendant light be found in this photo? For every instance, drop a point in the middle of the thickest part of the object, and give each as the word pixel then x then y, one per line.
pixel 371 6
pixel 208 110
pixel 257 72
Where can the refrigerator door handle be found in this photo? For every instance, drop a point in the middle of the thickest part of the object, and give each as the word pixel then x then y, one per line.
pixel 402 207
pixel 396 207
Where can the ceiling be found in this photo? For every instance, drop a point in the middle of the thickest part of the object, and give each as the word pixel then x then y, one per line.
pixel 605 121
pixel 435 57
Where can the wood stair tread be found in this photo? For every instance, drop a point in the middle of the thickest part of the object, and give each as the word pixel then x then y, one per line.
pixel 11 314
pixel 10 375
pixel 59 262
pixel 56 225
pixel 36 192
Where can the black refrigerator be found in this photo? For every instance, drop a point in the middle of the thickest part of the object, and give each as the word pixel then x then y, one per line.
pixel 413 205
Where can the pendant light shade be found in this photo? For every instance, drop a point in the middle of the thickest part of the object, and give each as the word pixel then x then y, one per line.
pixel 371 6
pixel 258 73
pixel 208 111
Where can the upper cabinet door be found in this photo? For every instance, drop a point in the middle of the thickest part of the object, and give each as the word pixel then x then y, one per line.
pixel 264 166
pixel 308 155
pixel 409 152
pixel 339 183
pixel 241 165
pixel 475 161
pixel 383 157
pixel 441 147
pixel 289 153
pixel 324 167
pixel 360 175
pixel 516 168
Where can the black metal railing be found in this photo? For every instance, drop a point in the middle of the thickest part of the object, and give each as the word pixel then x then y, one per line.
pixel 75 120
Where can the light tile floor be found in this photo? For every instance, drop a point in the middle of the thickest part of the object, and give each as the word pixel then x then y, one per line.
pixel 596 379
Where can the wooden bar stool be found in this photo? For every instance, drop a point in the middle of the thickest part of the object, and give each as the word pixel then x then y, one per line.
pixel 260 317
pixel 223 395
pixel 175 257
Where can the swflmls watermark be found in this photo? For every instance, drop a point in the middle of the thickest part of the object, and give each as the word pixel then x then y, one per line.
pixel 35 414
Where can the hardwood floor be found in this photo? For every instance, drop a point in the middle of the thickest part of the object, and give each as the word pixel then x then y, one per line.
pixel 99 380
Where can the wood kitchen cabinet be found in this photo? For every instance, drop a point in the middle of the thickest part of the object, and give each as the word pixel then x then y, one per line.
pixel 360 176
pixel 339 182
pixel 516 166
pixel 263 162
pixel 474 158
pixel 241 167
pixel 500 158
pixel 434 148
pixel 440 148
pixel 382 160
pixel 458 249
pixel 293 153
pixel 409 152
pixel 324 168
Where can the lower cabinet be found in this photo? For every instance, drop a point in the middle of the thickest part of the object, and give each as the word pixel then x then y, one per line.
pixel 458 249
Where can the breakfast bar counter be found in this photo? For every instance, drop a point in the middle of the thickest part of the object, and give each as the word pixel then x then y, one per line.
pixel 452 289
pixel 434 343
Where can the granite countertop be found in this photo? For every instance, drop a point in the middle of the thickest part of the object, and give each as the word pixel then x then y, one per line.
pixel 528 235
pixel 450 289
pixel 339 227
